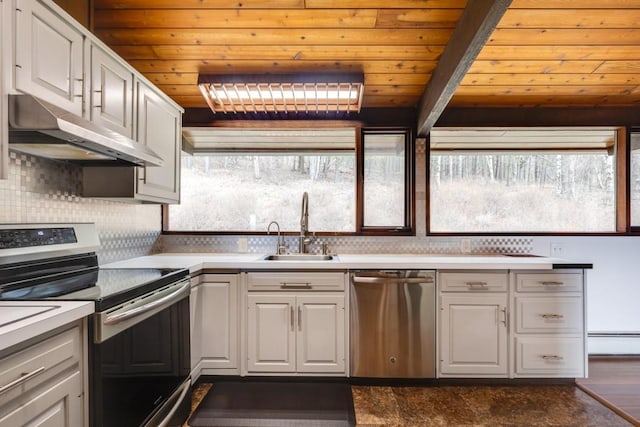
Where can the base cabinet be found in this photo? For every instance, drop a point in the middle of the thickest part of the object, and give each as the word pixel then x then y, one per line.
pixel 549 337
pixel 473 335
pixel 301 333
pixel 214 303
pixel 58 405
pixel 43 384
pixel 525 324
pixel 473 324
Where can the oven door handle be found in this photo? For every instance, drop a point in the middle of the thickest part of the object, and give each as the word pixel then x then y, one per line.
pixel 114 319
pixel 182 392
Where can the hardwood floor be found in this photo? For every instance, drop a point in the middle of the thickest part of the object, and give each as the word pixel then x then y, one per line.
pixel 615 382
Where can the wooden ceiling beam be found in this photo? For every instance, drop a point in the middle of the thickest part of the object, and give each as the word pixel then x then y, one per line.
pixel 479 19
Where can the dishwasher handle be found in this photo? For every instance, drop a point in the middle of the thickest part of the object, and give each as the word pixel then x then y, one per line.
pixel 389 280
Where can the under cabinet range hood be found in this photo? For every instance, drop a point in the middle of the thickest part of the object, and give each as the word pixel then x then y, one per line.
pixel 39 128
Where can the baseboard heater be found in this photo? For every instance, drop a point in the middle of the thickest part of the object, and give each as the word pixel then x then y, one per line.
pixel 614 343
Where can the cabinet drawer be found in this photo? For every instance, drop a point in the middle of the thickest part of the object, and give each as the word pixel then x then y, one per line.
pixel 549 282
pixel 549 314
pixel 297 281
pixel 472 282
pixel 549 356
pixel 41 360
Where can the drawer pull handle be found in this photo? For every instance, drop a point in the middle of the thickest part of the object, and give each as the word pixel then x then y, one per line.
pixel 22 379
pixel 292 316
pixel 551 316
pixel 294 285
pixel 477 285
pixel 552 357
pixel 299 318
pixel 552 283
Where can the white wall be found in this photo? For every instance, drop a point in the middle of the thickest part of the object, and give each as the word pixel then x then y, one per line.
pixel 613 286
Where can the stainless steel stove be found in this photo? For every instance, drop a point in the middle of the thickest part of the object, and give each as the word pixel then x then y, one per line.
pixel 139 336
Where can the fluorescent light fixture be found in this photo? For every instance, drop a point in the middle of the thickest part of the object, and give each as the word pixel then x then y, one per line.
pixel 282 93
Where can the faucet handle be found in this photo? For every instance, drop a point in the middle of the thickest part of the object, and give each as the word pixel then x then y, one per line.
pixel 282 246
pixel 325 248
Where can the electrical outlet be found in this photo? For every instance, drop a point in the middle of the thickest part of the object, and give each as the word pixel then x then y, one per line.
pixel 557 249
pixel 243 244
pixel 465 246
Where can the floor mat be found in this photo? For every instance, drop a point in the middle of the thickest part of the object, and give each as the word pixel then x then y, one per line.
pixel 267 404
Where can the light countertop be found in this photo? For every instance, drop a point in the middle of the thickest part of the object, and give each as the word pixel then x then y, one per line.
pixel 23 320
pixel 253 261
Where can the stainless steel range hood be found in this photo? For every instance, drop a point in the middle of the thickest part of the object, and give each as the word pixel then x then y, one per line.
pixel 39 128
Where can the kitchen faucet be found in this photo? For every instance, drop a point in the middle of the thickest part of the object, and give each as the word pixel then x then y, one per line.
pixel 281 247
pixel 304 240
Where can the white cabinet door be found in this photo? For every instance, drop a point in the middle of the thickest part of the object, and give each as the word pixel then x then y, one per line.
pixel 159 127
pixel 59 404
pixel 110 94
pixel 4 128
pixel 473 335
pixel 219 323
pixel 320 340
pixel 195 314
pixel 48 57
pixel 271 333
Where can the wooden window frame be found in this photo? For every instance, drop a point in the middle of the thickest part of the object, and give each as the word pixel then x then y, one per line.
pixel 622 196
pixel 409 228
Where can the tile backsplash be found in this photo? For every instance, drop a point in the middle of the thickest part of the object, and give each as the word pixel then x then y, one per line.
pixel 43 191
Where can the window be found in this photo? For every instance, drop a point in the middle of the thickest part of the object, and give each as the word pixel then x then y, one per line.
pixel 634 180
pixel 246 192
pixel 537 183
pixel 385 180
pixel 240 181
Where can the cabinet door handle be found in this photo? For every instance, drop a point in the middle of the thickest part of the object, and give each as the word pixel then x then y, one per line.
pixel 299 318
pixel 552 283
pixel 551 316
pixel 25 377
pixel 294 285
pixel 477 285
pixel 552 357
pixel 506 316
pixel 79 81
pixel 98 105
pixel 292 315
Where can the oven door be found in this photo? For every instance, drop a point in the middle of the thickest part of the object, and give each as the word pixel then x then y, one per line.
pixel 140 361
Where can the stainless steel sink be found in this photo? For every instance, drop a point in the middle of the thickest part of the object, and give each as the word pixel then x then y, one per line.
pixel 299 257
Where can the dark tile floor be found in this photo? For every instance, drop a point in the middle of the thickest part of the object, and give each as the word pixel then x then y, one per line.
pixel 486 405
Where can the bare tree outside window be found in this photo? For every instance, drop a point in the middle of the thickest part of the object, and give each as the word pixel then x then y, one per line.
pixel 524 192
pixel 245 192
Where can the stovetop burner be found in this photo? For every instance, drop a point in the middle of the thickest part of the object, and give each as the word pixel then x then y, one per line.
pixel 52 262
pixel 107 287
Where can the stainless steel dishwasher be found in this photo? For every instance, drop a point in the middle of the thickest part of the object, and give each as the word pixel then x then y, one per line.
pixel 393 323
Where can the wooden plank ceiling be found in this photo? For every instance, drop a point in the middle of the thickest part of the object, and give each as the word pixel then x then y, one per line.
pixel 542 53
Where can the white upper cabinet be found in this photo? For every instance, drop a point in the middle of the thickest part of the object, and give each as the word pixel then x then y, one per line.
pixel 110 95
pixel 48 56
pixel 159 128
pixel 52 57
pixel 4 129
